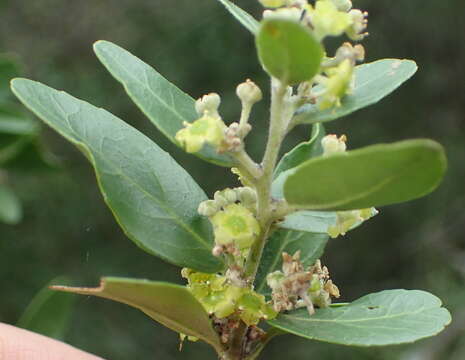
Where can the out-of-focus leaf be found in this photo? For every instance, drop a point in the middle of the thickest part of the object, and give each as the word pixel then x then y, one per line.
pixel 311 245
pixel 372 176
pixel 49 313
pixel 153 199
pixel 373 82
pixel 171 305
pixel 14 122
pixel 386 318
pixel 288 51
pixel 302 152
pixel 31 156
pixel 9 69
pixel 10 206
pixel 242 16
pixel 164 104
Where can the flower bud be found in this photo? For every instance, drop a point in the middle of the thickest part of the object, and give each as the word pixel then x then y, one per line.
pixel 208 208
pixel 220 199
pixel 247 195
pixel 359 22
pixel 230 195
pixel 291 14
pixel 249 92
pixel 217 250
pixel 332 144
pixel 347 51
pixel 343 5
pixel 208 103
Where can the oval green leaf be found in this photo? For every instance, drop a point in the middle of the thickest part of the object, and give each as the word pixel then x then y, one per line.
pixel 311 245
pixel 171 305
pixel 49 313
pixel 302 152
pixel 10 207
pixel 373 82
pixel 288 51
pixel 372 176
pixel 242 16
pixel 163 103
pixel 386 318
pixel 153 199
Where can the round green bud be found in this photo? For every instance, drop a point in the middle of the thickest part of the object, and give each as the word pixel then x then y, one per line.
pixel 332 144
pixel 249 92
pixel 208 103
pixel 208 208
pixel 247 195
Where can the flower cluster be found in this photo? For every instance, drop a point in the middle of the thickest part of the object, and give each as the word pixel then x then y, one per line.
pixel 210 129
pixel 223 299
pixel 294 287
pixel 323 19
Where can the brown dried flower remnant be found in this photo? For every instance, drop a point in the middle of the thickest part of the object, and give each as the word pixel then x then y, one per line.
pixel 294 287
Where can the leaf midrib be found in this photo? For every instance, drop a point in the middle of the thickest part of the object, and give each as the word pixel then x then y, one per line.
pixel 423 309
pixel 174 216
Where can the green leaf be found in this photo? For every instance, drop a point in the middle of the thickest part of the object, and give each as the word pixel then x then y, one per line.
pixel 385 318
pixel 311 245
pixel 303 151
pixel 288 51
pixel 242 16
pixel 373 82
pixel 171 305
pixel 372 176
pixel 10 207
pixel 49 313
pixel 153 199
pixel 164 104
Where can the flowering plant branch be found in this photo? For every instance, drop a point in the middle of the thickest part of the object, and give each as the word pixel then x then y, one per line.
pixel 251 254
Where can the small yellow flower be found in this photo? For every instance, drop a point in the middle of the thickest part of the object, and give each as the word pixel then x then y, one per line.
pixel 347 220
pixel 273 3
pixel 208 129
pixel 327 20
pixel 337 84
pixel 237 225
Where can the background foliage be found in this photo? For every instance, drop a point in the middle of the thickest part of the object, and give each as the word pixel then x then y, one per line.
pixel 67 230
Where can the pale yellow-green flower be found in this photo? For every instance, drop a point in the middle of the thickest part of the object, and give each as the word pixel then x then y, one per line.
pixel 208 129
pixel 273 3
pixel 346 220
pixel 332 144
pixel 236 225
pixel 337 84
pixel 327 20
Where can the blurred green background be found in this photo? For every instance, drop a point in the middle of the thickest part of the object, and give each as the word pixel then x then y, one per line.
pixel 67 229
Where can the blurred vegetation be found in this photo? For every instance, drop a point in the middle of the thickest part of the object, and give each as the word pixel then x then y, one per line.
pixel 67 230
